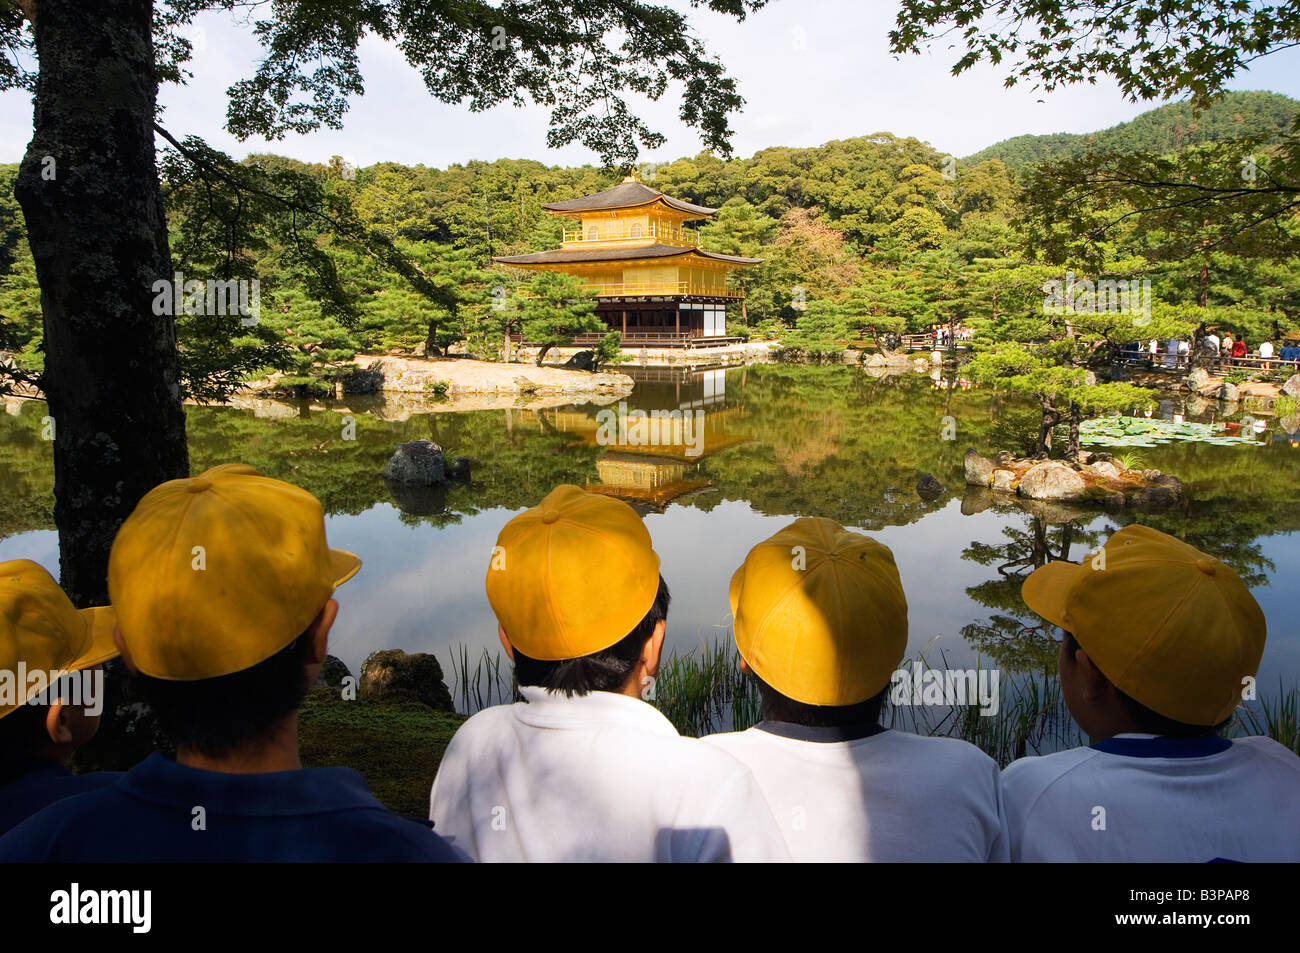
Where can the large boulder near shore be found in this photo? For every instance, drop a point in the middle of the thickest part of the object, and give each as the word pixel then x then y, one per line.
pixel 1159 495
pixel 392 675
pixel 877 359
pixel 1052 480
pixel 363 380
pixel 418 463
pixel 1292 386
pixel 979 469
pixel 582 361
pixel 1197 379
pixel 332 672
pixel 1105 468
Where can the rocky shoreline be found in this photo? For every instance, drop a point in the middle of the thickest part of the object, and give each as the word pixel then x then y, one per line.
pixel 1096 478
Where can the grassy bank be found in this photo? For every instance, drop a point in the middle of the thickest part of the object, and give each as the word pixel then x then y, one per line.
pixel 395 746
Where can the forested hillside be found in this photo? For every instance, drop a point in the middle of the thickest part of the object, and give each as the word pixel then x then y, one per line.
pixel 863 239
pixel 1165 129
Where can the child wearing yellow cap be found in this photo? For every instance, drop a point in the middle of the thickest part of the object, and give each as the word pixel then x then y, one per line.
pixel 51 689
pixel 584 769
pixel 820 621
pixel 1161 644
pixel 223 591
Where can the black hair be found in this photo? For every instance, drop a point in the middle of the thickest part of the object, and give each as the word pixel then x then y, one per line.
pixel 23 740
pixel 779 707
pixel 215 716
pixel 1146 720
pixel 604 671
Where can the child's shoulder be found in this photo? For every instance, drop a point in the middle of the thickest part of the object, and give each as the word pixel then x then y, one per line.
pixel 1026 777
pixel 1266 749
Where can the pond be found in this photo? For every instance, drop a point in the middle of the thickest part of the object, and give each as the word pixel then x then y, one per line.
pixel 778 442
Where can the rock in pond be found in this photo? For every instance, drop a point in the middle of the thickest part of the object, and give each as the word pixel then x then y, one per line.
pixel 928 488
pixel 979 469
pixel 418 463
pixel 582 361
pixel 1052 480
pixel 392 675
pixel 332 672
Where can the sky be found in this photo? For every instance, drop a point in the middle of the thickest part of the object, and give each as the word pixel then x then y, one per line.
pixel 810 70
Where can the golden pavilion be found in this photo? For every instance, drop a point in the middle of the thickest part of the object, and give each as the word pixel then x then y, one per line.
pixel 632 247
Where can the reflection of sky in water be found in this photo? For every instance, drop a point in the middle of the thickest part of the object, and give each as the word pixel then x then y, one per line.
pixel 421 589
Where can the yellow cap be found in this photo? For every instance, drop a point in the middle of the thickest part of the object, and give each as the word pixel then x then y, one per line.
pixel 211 575
pixel 820 613
pixel 573 575
pixel 1171 627
pixel 40 628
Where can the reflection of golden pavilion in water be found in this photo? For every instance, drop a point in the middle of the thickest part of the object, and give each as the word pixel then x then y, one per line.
pixel 655 460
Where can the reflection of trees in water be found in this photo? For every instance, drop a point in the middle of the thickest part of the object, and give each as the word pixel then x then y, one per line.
pixel 1018 640
pixel 1013 636
pixel 1230 533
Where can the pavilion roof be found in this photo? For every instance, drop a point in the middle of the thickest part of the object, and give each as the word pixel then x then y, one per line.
pixel 562 256
pixel 625 195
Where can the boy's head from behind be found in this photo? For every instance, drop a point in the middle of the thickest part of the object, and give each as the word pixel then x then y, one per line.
pixel 1160 637
pixel 225 585
pixel 575 586
pixel 821 622
pixel 42 632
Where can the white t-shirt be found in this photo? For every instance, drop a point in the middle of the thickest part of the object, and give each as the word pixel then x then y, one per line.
pixel 598 777
pixel 891 796
pixel 1163 800
pixel 1266 350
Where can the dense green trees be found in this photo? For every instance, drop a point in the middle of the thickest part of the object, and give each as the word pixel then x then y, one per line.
pixel 557 308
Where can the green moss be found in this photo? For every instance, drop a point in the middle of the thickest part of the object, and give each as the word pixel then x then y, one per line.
pixel 395 746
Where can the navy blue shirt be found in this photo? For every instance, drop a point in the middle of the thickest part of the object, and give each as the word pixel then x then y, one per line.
pixel 43 783
pixel 150 814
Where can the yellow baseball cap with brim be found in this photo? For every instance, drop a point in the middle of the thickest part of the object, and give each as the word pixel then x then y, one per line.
pixel 213 574
pixel 573 575
pixel 1171 627
pixel 43 631
pixel 820 613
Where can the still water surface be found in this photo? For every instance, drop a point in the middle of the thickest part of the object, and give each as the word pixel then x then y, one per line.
pixel 778 443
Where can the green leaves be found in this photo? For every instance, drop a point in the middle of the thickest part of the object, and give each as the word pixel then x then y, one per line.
pixel 556 308
pixel 580 59
pixel 1151 48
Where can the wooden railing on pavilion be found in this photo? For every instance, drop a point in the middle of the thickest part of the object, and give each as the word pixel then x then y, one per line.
pixel 623 289
pixel 662 234
pixel 643 338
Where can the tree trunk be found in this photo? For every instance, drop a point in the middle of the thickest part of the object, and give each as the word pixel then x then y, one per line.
pixel 542 353
pixel 1072 448
pixel 88 187
pixel 1043 449
pixel 1203 297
